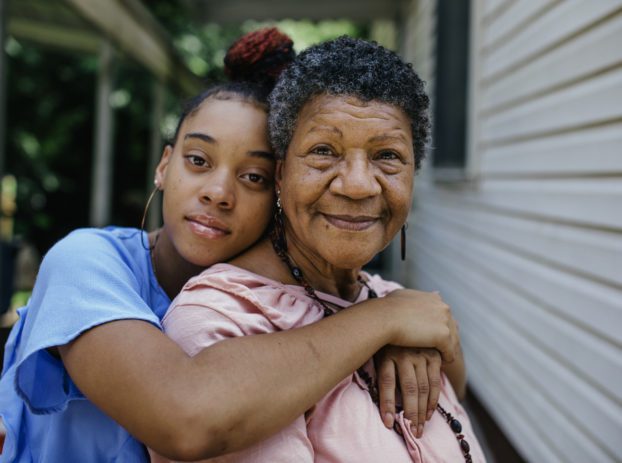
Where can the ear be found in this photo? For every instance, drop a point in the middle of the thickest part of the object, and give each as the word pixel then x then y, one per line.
pixel 278 174
pixel 160 173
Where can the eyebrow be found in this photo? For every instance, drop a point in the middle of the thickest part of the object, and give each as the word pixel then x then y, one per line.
pixel 209 139
pixel 329 128
pixel 201 136
pixel 385 137
pixel 262 154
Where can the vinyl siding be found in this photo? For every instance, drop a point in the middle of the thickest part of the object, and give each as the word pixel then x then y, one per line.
pixel 528 249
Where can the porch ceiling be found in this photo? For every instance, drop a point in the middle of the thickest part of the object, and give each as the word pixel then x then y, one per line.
pixel 81 25
pixel 230 11
pixel 51 23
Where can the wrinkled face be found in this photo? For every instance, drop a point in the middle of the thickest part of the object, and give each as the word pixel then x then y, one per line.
pixel 347 179
pixel 218 182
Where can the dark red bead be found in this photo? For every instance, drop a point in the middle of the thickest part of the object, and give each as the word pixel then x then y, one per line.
pixel 464 445
pixel 456 426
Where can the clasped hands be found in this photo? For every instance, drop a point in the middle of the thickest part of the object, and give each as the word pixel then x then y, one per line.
pixel 417 370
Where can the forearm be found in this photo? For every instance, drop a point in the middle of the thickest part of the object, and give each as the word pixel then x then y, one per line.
pixel 269 380
pixel 230 395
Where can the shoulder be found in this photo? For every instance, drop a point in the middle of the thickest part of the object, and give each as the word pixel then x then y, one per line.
pixel 261 259
pixel 233 291
pixel 95 239
pixel 93 244
pixel 90 257
pixel 86 244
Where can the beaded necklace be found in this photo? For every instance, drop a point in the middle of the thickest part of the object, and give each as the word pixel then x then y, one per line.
pixel 280 247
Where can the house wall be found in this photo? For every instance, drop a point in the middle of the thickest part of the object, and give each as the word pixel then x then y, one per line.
pixel 527 248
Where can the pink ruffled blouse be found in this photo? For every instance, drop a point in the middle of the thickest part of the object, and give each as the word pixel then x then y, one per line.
pixel 345 426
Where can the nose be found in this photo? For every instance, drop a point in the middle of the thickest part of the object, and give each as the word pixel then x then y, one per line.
pixel 356 178
pixel 218 189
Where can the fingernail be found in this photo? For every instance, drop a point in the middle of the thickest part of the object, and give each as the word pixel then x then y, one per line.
pixel 429 415
pixel 420 430
pixel 388 420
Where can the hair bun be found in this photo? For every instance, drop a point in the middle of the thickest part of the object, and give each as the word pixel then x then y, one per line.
pixel 259 56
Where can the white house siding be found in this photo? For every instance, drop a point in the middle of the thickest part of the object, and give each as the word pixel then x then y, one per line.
pixel 528 249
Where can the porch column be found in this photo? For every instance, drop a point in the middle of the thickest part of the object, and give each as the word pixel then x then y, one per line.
pixel 102 175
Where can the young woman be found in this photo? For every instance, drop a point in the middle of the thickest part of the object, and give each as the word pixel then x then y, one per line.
pixel 348 121
pixel 89 375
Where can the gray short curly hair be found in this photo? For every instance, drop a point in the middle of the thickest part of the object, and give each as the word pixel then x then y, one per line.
pixel 352 67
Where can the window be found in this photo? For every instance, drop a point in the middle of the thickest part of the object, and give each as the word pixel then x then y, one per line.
pixel 451 88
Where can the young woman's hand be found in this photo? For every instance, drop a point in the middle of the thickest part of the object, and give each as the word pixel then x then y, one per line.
pixel 418 372
pixel 422 319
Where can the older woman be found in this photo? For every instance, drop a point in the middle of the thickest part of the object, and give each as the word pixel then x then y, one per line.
pixel 348 122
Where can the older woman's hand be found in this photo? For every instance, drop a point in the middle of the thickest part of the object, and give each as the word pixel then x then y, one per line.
pixel 419 374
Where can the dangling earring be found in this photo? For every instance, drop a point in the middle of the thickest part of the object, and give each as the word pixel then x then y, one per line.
pixel 142 222
pixel 279 207
pixel 278 231
pixel 403 241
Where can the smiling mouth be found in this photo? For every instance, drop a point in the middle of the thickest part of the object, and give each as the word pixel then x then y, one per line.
pixel 351 223
pixel 207 227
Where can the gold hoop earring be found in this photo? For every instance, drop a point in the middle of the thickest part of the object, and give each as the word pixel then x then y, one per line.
pixel 142 222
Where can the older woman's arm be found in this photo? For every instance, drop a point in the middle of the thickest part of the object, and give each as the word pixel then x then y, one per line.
pixel 418 372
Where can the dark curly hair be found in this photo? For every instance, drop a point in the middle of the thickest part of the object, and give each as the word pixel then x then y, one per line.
pixel 352 67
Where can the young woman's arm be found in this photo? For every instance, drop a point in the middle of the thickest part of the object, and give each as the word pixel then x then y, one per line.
pixel 241 390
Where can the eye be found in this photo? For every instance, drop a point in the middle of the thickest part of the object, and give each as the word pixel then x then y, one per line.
pixel 387 155
pixel 322 150
pixel 196 160
pixel 255 178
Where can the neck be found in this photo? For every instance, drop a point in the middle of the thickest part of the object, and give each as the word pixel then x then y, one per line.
pixel 171 270
pixel 322 275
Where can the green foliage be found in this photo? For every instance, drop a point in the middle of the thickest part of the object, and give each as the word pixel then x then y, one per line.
pixel 203 46
pixel 49 139
pixel 306 33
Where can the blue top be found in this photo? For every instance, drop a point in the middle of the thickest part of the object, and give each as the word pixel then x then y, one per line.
pixel 90 277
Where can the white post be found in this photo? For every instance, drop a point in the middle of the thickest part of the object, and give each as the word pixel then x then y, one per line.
pixel 101 189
